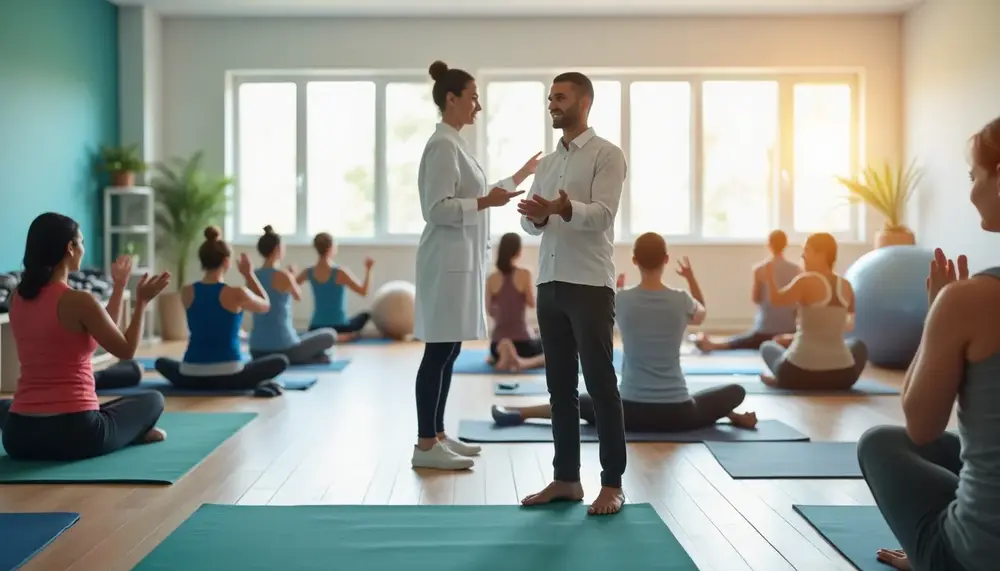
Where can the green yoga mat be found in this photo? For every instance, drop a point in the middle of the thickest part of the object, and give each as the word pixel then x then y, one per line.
pixel 191 437
pixel 559 537
pixel 857 532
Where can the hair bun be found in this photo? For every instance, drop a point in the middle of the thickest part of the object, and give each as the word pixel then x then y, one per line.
pixel 212 233
pixel 438 69
pixel 269 229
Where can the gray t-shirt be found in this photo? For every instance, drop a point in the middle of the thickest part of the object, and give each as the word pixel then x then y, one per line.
pixel 652 325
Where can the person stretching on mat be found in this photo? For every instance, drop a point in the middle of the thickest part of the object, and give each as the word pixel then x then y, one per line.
pixel 273 332
pixel 213 359
pixel 329 283
pixel 509 291
pixel 938 490
pixel 818 356
pixel 55 414
pixel 652 318
pixel 771 322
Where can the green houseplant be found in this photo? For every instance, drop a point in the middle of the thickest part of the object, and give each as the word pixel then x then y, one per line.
pixel 122 163
pixel 887 190
pixel 187 200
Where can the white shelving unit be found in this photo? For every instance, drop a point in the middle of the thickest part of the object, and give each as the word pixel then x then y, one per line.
pixel 130 228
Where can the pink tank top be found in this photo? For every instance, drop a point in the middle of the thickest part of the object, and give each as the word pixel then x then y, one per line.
pixel 57 376
pixel 508 312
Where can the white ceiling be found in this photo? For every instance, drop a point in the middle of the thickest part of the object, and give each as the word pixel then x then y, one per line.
pixel 500 8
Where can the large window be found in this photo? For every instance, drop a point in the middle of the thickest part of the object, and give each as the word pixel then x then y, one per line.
pixel 713 158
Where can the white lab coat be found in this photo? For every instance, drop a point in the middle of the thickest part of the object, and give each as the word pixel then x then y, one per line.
pixel 453 253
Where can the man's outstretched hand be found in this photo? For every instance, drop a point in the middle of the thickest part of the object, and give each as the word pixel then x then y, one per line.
pixel 538 209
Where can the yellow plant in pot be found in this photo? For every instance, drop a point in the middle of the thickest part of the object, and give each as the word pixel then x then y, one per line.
pixel 187 201
pixel 887 190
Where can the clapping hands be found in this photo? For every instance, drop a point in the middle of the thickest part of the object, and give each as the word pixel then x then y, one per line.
pixel 150 287
pixel 942 272
pixel 121 271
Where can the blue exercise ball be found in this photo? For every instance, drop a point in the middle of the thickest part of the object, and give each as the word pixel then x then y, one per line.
pixel 890 302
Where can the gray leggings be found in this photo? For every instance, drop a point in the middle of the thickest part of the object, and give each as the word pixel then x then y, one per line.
pixel 789 376
pixel 913 487
pixel 312 346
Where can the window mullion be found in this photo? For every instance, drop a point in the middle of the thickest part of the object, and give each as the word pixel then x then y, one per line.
pixel 625 206
pixel 697 160
pixel 381 167
pixel 785 185
pixel 301 159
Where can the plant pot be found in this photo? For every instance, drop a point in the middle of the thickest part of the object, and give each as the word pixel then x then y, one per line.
pixel 123 179
pixel 894 237
pixel 173 318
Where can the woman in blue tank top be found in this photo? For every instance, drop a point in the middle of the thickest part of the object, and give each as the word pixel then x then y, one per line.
pixel 940 491
pixel 273 332
pixel 329 285
pixel 213 360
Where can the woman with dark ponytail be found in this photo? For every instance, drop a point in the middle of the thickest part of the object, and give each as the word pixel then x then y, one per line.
pixel 273 332
pixel 55 414
pixel 510 291
pixel 213 359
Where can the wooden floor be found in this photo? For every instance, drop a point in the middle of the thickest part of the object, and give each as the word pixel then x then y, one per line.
pixel 348 441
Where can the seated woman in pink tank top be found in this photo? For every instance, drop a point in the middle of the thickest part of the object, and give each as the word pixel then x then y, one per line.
pixel 55 414
pixel 509 292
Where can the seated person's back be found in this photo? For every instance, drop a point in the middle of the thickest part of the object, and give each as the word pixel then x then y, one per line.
pixel 214 343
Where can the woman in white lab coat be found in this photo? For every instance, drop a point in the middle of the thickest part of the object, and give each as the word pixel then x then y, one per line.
pixel 451 260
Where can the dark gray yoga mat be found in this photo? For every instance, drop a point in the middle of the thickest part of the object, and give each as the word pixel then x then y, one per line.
pixel 857 532
pixel 752 385
pixel 787 460
pixel 488 431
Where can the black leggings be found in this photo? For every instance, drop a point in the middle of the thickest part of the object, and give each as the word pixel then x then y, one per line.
pixel 353 325
pixel 118 376
pixel 787 375
pixel 311 348
pixel 433 384
pixel 749 340
pixel 704 409
pixel 79 435
pixel 525 348
pixel 254 373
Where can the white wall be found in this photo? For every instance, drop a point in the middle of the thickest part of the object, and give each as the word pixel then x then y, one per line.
pixel 951 90
pixel 197 53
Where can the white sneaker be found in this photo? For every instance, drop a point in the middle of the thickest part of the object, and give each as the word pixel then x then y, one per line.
pixel 440 457
pixel 461 448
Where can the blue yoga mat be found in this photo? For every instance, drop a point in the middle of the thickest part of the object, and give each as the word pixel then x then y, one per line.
pixel 752 385
pixel 148 364
pixel 25 535
pixel 289 381
pixel 857 532
pixel 473 362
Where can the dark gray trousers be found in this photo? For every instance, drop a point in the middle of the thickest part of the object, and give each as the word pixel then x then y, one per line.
pixel 576 323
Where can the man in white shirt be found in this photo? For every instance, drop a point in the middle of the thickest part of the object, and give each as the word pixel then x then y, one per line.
pixel 572 205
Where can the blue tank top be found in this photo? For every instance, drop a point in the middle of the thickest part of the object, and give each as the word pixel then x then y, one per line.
pixel 330 305
pixel 972 524
pixel 273 331
pixel 771 319
pixel 214 330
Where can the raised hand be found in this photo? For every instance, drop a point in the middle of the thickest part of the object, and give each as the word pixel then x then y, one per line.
pixel 498 196
pixel 684 268
pixel 150 287
pixel 538 208
pixel 293 269
pixel 121 271
pixel 620 282
pixel 369 263
pixel 942 272
pixel 244 265
pixel 529 167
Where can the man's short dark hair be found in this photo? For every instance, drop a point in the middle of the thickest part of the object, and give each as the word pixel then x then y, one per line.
pixel 582 82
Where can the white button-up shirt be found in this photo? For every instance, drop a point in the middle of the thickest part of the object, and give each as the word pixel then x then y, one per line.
pixel 591 171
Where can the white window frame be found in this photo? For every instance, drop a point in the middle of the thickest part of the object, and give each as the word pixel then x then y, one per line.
pixel 782 205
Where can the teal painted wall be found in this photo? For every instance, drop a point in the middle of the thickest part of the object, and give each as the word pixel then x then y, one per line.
pixel 58 105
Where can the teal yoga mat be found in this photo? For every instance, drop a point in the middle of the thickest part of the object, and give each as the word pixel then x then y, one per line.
pixel 191 437
pixel 335 366
pixel 788 460
pixel 559 537
pixel 752 385
pixel 489 431
pixel 25 535
pixel 857 532
pixel 473 362
pixel 290 382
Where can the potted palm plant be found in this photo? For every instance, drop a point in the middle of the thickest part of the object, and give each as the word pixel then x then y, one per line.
pixel 187 200
pixel 887 190
pixel 122 163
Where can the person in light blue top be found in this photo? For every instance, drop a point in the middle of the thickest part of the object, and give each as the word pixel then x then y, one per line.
pixel 274 332
pixel 652 318
pixel 213 359
pixel 939 491
pixel 772 322
pixel 330 283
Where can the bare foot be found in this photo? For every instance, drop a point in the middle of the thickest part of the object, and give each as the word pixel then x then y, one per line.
pixel 154 435
pixel 608 502
pixel 556 492
pixel 700 341
pixel 346 337
pixel 769 380
pixel 743 420
pixel 895 558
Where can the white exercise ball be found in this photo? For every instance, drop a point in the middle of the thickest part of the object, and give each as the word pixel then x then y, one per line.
pixel 392 309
